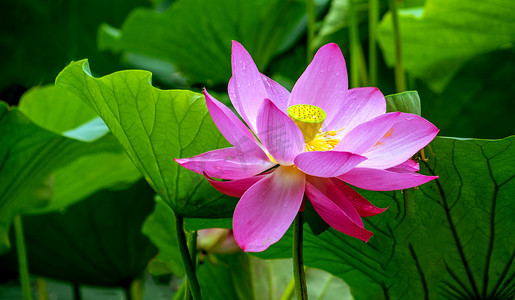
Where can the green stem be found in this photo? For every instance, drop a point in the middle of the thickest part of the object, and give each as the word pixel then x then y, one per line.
pixel 192 246
pixel 42 291
pixel 354 45
pixel 23 264
pixel 400 78
pixel 76 292
pixel 311 12
pixel 373 18
pixel 363 76
pixel 298 260
pixel 186 259
pixel 136 289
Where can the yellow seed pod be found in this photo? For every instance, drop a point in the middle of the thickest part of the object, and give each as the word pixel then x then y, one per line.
pixel 309 119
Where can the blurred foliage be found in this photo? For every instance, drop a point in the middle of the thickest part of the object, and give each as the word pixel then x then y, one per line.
pixel 440 37
pixel 44 36
pixel 97 241
pixel 477 101
pixel 242 276
pixel 201 51
pixel 31 157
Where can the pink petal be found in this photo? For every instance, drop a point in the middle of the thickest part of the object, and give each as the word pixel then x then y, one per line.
pixel 234 188
pixel 362 205
pixel 407 136
pixel 268 208
pixel 281 137
pixel 408 166
pixel 246 88
pixel 226 163
pixel 324 82
pixel 277 93
pixel 383 180
pixel 233 129
pixel 364 136
pixel 327 163
pixel 359 105
pixel 338 212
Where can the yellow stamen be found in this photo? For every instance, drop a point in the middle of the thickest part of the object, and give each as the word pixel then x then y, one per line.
pixel 309 119
pixel 323 141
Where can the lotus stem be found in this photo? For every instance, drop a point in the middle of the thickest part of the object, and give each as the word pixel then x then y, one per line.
pixel 135 291
pixel 23 264
pixel 311 12
pixel 298 260
pixel 354 45
pixel 192 246
pixel 42 291
pixel 373 17
pixel 400 78
pixel 186 259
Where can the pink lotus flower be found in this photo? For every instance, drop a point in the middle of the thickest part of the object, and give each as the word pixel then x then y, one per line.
pixel 312 141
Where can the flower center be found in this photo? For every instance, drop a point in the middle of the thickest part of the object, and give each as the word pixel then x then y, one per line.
pixel 309 119
pixel 324 141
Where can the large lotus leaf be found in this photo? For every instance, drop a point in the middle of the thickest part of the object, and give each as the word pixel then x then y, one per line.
pixel 457 243
pixel 156 126
pixel 438 39
pixel 196 35
pixel 97 241
pixel 44 36
pixel 29 156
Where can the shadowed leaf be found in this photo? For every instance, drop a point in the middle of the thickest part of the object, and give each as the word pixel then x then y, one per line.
pixel 457 243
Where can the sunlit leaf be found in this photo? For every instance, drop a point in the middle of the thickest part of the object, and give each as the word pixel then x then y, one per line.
pixel 156 126
pixel 457 243
pixel 439 39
